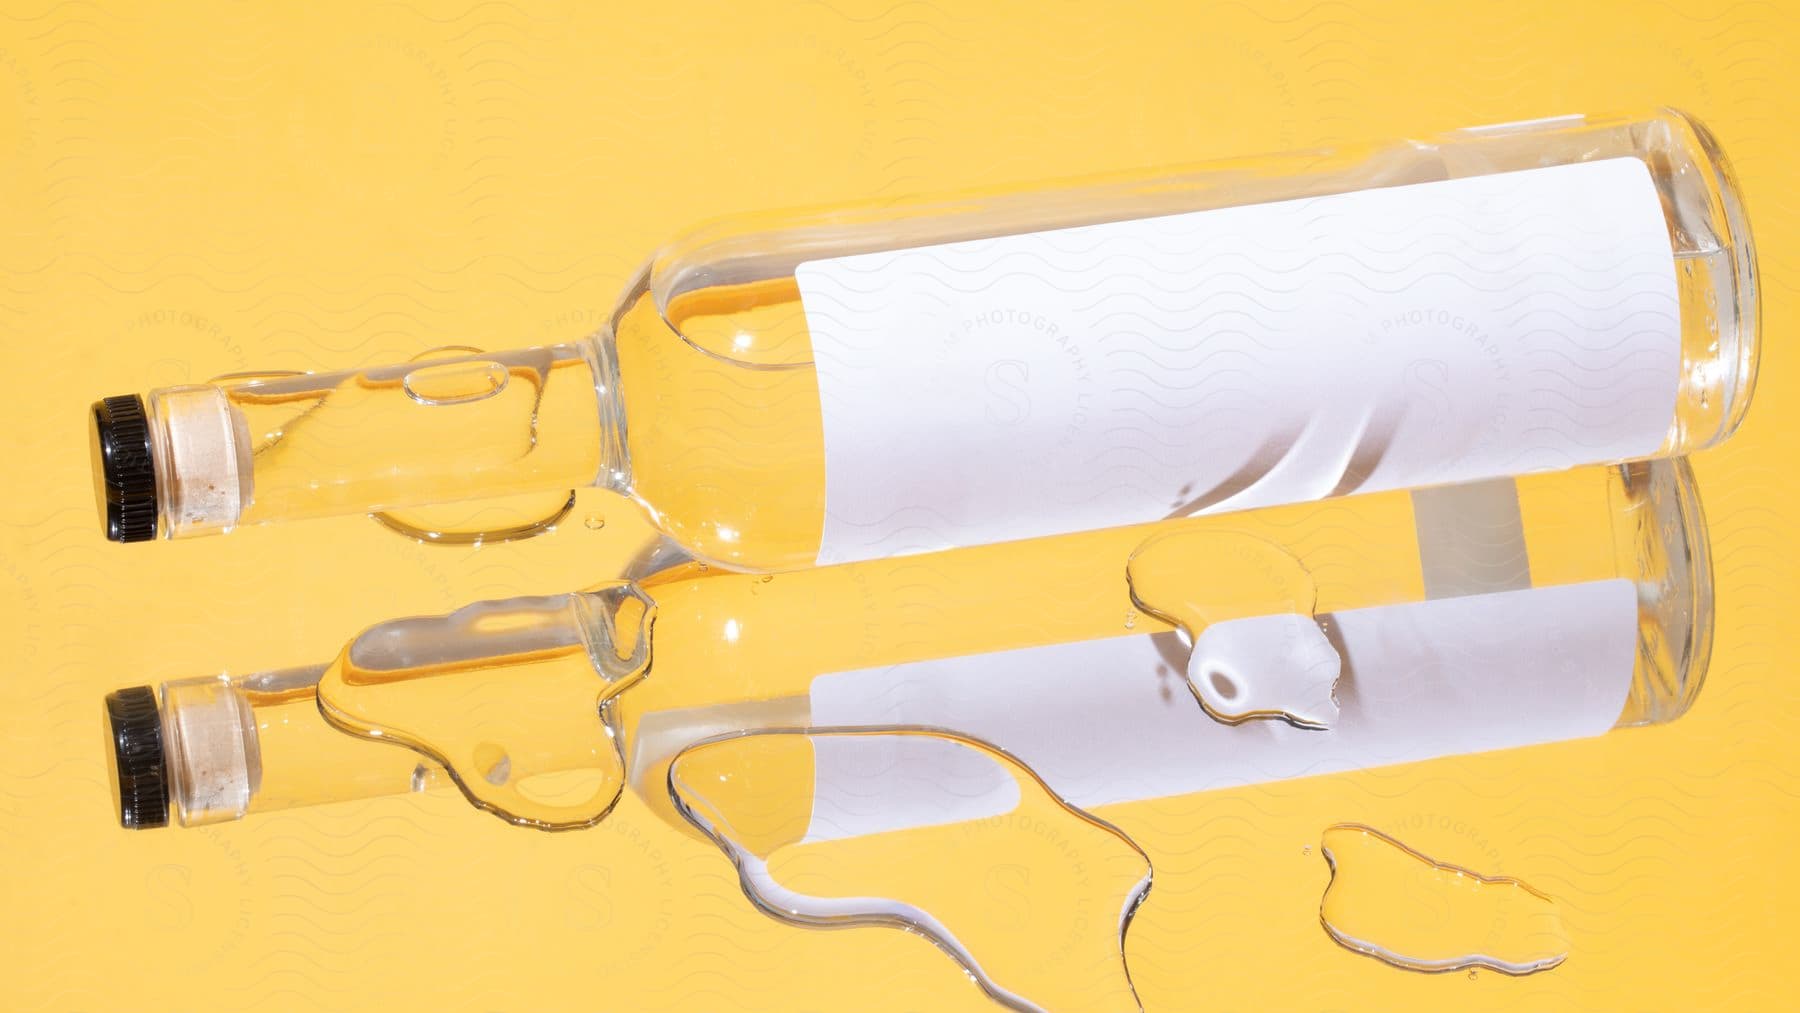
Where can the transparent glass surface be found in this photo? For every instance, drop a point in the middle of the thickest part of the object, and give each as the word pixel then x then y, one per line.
pixel 544 708
pixel 716 361
pixel 701 397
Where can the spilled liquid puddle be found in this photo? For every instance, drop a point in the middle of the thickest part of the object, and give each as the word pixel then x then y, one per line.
pixel 513 699
pixel 1389 902
pixel 1033 904
pixel 510 697
pixel 1247 607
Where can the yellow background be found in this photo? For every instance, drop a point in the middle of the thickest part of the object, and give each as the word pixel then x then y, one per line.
pixel 193 189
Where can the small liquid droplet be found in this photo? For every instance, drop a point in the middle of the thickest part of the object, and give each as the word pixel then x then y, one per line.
pixel 1392 903
pixel 594 522
pixel 1131 620
pixel 1473 974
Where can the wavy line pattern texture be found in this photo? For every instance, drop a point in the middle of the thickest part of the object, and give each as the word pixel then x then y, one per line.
pixel 213 186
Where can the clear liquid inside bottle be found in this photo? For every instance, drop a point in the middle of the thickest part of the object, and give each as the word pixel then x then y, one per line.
pixel 703 399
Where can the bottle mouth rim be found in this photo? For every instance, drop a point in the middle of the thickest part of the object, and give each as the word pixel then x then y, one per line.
pixel 1685 501
pixel 1740 246
pixel 1678 595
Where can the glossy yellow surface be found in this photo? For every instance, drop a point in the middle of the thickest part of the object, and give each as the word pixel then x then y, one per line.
pixel 225 187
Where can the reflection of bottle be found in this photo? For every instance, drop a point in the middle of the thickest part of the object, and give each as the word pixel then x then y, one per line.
pixel 861 383
pixel 1467 618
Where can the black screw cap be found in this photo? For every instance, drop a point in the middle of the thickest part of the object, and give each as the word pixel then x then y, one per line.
pixel 124 471
pixel 141 787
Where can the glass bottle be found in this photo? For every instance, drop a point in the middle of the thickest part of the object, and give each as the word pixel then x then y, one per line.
pixel 785 389
pixel 1466 618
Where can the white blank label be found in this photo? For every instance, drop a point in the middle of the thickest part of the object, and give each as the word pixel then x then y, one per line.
pixel 1082 378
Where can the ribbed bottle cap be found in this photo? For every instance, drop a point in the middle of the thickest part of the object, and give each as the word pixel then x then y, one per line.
pixel 140 785
pixel 124 471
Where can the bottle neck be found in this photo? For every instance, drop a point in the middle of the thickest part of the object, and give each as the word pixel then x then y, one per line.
pixel 257 743
pixel 499 696
pixel 436 430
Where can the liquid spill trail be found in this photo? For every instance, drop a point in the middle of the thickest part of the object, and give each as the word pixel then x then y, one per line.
pixel 512 698
pixel 1389 902
pixel 1247 607
pixel 1033 904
